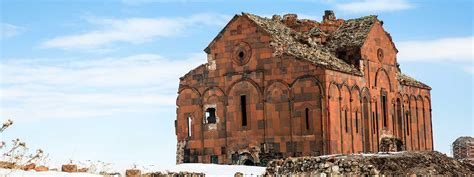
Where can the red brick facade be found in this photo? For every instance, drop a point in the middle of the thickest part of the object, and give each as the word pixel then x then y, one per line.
pixel 288 87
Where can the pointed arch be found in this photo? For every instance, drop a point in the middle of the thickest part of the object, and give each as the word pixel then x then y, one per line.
pixel 414 123
pixel 355 89
pixel 334 118
pixel 380 73
pixel 429 122
pixel 334 91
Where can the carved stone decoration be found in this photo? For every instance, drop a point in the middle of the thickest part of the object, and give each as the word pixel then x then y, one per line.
pixel 380 54
pixel 242 53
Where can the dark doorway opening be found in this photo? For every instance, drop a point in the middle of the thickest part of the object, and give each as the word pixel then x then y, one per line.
pixel 248 162
pixel 211 115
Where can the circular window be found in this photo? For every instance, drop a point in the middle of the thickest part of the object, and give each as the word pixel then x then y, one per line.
pixel 380 54
pixel 242 53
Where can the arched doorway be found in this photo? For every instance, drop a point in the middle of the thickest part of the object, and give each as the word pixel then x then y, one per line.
pixel 246 159
pixel 248 162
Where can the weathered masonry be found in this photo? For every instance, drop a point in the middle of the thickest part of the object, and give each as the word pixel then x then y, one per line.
pixel 285 86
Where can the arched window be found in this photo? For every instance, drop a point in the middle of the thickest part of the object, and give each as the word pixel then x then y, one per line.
pixel 345 117
pixel 357 122
pixel 373 123
pixel 307 118
pixel 408 123
pixel 243 109
pixel 399 118
pixel 384 108
pixel 190 126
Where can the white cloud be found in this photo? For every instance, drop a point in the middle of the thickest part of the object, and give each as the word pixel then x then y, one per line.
pixel 367 6
pixel 469 69
pixel 39 89
pixel 9 30
pixel 459 49
pixel 131 30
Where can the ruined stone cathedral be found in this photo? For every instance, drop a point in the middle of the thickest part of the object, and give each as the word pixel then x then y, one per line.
pixel 284 86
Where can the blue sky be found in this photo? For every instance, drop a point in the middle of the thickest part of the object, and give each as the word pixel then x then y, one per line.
pixel 88 80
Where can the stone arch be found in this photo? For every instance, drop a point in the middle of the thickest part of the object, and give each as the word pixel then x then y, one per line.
pixel 365 92
pixel 215 91
pixel 343 86
pixel 214 109
pixel 355 89
pixel 356 126
pixel 246 159
pixel 346 117
pixel 334 118
pixel 257 87
pixel 334 92
pixel 421 121
pixel 306 92
pixel 398 130
pixel 429 131
pixel 414 122
pixel 382 71
pixel 366 130
pixel 276 84
pixel 277 110
pixel 188 104
pixel 185 88
pixel 311 77
pixel 244 105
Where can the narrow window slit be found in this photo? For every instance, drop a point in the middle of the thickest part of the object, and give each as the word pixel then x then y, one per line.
pixel 243 109
pixel 307 118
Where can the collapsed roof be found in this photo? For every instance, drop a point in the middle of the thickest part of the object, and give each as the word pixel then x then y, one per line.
pixel 304 45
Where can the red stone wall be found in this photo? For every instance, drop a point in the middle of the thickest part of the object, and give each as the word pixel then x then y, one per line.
pixel 293 107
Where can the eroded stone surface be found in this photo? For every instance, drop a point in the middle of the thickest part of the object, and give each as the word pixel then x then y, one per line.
pixel 288 87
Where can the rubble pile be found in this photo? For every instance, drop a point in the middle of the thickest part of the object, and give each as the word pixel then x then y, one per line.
pixel 287 41
pixel 399 163
pixel 391 144
pixel 172 174
pixel 352 33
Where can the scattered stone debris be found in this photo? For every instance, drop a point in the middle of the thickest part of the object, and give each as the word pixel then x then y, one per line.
pixel 133 173
pixel 172 174
pixel 69 168
pixel 7 165
pixel 352 33
pixel 288 41
pixel 41 168
pixel 463 148
pixel 400 163
pixel 391 144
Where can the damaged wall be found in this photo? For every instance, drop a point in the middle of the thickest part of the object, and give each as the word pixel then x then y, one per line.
pixel 274 91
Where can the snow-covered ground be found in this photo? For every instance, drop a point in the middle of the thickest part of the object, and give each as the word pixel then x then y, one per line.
pixel 211 170
pixel 21 173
